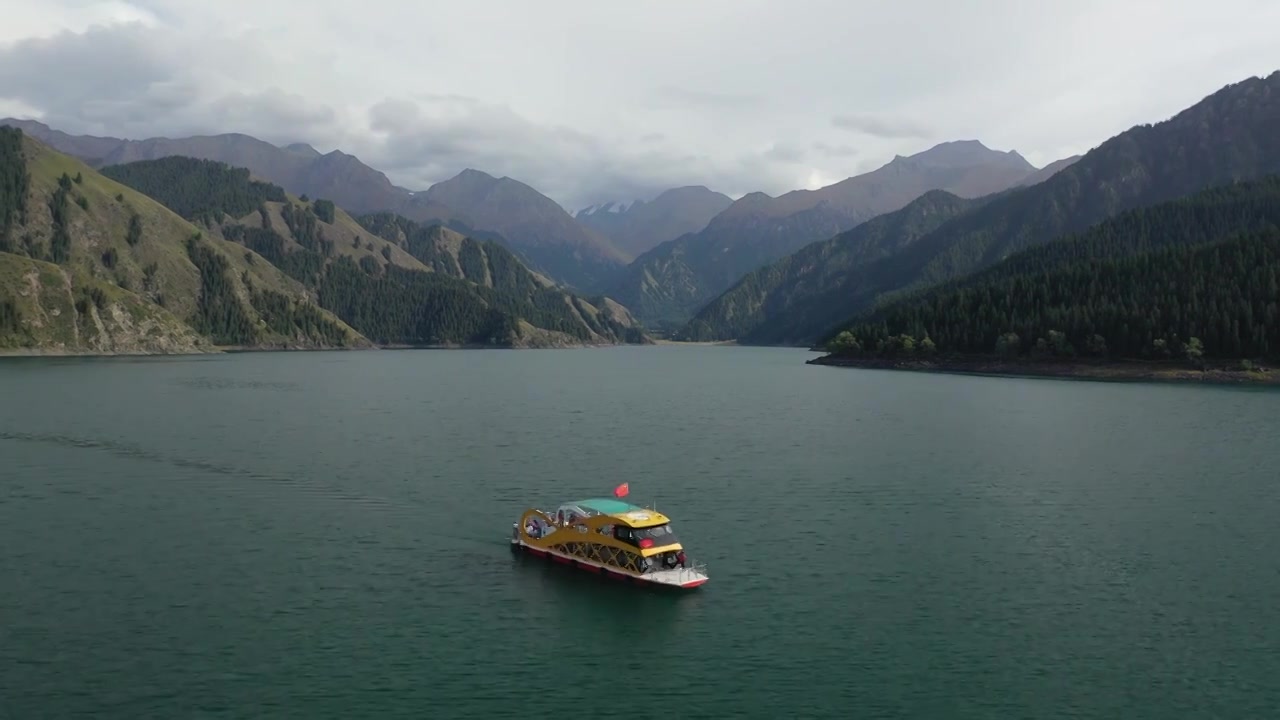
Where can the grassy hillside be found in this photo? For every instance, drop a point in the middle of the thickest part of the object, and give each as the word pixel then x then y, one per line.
pixel 397 282
pixel 152 280
pixel 1198 277
pixel 505 283
pixel 49 307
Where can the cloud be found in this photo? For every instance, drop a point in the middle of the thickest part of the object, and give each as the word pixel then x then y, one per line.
pixel 130 79
pixel 829 150
pixel 429 139
pixel 604 101
pixel 87 76
pixel 880 126
pixel 785 152
pixel 685 97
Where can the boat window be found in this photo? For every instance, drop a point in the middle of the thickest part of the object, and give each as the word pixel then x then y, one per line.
pixel 656 536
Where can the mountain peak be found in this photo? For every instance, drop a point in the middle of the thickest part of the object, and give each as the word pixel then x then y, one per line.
pixel 467 182
pixel 534 224
pixel 637 226
pixel 960 153
pixel 473 174
pixel 687 191
pixel 24 123
pixel 303 149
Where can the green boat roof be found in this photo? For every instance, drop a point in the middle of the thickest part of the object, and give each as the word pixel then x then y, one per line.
pixel 607 506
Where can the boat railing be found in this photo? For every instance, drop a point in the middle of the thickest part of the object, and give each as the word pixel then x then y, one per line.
pixel 692 569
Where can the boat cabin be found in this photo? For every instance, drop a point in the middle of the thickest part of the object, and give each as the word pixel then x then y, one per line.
pixel 639 539
pixel 643 528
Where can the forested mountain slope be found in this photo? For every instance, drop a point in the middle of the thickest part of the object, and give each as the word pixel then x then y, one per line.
pixel 669 284
pixel 397 282
pixel 804 289
pixel 1140 285
pixel 1233 134
pixel 88 265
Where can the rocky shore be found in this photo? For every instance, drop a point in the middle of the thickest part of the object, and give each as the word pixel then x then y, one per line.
pixel 1119 370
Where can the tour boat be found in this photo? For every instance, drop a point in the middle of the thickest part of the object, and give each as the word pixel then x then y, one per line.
pixel 610 537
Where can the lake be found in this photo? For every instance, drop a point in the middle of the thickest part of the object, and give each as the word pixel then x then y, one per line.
pixel 306 535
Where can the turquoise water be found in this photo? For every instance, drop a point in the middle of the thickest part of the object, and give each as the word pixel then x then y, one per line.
pixel 324 535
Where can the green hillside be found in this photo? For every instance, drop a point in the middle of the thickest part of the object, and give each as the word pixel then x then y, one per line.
pixel 396 282
pixel 137 277
pixel 199 190
pixel 533 308
pixel 1141 285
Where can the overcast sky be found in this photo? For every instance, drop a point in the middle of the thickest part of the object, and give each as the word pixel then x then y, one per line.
pixel 594 100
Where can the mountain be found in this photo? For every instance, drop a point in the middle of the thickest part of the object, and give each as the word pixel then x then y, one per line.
pixel 494 269
pixel 249 266
pixel 89 148
pixel 1048 171
pixel 505 210
pixel 803 290
pixel 1229 135
pixel 89 265
pixel 1198 277
pixel 640 226
pixel 534 224
pixel 396 281
pixel 667 284
pixel 298 168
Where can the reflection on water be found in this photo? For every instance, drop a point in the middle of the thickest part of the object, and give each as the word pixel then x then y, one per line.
pixel 223 383
pixel 624 613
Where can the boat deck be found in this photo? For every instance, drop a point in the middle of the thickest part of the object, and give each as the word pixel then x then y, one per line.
pixel 686 578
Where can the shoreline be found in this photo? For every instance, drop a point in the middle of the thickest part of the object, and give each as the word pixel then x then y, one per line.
pixel 696 343
pixel 238 350
pixel 1111 371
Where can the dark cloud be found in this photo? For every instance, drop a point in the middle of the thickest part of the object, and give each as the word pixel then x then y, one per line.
pixel 124 80
pixel 93 79
pixel 614 101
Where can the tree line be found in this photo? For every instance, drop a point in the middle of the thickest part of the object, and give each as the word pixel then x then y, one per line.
pixel 198 190
pixel 15 182
pixel 219 314
pixel 399 306
pixel 301 264
pixel 60 243
pixel 10 319
pixel 305 228
pixel 1127 287
pixel 292 319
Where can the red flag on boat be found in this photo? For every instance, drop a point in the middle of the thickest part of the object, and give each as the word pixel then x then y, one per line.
pixel 621 490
